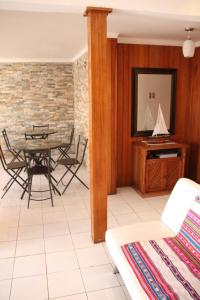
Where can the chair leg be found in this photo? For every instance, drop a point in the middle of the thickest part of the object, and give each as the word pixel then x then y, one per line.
pixel 50 189
pixel 62 176
pixel 29 189
pixel 79 179
pixel 74 174
pixel 11 181
pixel 25 189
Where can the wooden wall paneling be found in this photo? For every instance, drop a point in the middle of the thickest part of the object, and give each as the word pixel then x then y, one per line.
pixel 124 169
pixel 112 106
pixel 145 56
pixel 192 123
pixel 182 64
pixel 98 119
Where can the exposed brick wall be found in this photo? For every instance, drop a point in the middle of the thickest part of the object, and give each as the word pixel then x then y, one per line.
pixel 36 93
pixel 81 106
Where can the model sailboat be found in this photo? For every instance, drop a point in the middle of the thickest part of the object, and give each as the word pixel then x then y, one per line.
pixel 160 127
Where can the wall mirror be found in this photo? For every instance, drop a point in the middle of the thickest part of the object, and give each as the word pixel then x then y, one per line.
pixel 151 87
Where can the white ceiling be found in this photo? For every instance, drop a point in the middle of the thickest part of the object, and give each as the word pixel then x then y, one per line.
pixel 55 30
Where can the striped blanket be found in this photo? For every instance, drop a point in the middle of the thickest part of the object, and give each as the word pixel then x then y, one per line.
pixel 169 268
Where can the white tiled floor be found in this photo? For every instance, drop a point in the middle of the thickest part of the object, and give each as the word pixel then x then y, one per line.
pixel 47 253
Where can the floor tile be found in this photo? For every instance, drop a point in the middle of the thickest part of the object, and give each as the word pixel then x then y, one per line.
pixel 65 283
pixel 8 222
pixel 126 292
pixel 58 243
pixel 112 223
pixel 29 288
pixel 82 240
pixel 140 206
pixel 30 232
pixel 119 207
pixel 74 213
pixel 29 265
pixel 7 249
pixel 56 229
pixel 100 277
pixel 148 216
pixel 6 268
pixel 5 286
pixel 30 247
pixel 61 261
pixel 92 256
pixel 127 219
pixel 79 226
pixel 72 297
pixel 66 226
pixel 8 234
pixel 31 219
pixel 116 293
pixel 54 217
pixel 56 208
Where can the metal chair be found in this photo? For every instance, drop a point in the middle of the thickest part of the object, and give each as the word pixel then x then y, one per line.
pixel 15 154
pixel 76 162
pixel 13 169
pixel 38 163
pixel 64 148
pixel 41 136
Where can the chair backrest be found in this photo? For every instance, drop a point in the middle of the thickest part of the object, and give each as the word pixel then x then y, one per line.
pixel 6 139
pixel 71 135
pixel 46 126
pixel 2 158
pixel 81 148
pixel 179 202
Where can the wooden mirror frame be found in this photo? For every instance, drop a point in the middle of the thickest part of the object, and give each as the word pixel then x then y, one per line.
pixel 134 116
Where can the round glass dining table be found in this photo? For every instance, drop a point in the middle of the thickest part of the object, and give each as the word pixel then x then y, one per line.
pixel 39 145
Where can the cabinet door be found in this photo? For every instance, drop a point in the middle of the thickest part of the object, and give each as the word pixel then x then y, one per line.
pixel 155 175
pixel 173 172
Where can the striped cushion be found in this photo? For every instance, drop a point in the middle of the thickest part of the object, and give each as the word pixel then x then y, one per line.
pixel 169 268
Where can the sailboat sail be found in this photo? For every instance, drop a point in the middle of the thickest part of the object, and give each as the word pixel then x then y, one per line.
pixel 160 127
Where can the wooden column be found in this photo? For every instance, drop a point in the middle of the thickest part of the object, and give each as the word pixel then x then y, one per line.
pixel 98 118
pixel 112 108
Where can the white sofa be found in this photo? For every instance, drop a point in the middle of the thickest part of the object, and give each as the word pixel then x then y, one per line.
pixel 173 215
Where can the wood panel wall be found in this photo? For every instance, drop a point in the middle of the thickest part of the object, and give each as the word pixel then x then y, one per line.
pixel 129 56
pixel 112 107
pixel 192 125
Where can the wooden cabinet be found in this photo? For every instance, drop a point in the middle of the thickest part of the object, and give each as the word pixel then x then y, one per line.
pixel 154 174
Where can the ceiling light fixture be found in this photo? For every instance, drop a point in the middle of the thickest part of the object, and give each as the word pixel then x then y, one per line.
pixel 188 45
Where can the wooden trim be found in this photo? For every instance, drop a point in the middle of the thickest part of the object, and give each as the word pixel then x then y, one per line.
pixel 112 95
pixel 98 121
pixel 97 10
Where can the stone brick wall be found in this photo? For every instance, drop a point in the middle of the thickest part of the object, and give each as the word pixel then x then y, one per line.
pixel 81 111
pixel 36 93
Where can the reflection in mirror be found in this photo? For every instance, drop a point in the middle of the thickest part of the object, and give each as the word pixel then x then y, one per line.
pixel 151 87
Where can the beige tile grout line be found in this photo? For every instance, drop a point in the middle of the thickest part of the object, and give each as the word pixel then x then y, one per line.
pixel 15 252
